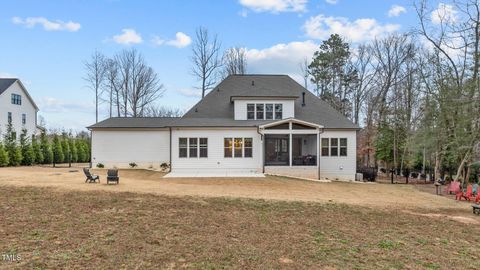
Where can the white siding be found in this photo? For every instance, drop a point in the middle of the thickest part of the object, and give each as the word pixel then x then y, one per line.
pixel 342 168
pixel 216 160
pixel 17 111
pixel 118 148
pixel 240 107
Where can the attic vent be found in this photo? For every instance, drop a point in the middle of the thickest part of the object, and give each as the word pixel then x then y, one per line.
pixel 218 89
pixel 196 110
pixel 303 99
pixel 253 83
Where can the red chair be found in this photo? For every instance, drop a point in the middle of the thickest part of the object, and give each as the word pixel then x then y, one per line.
pixel 469 194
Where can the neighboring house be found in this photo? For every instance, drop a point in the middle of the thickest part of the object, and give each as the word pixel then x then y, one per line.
pixel 248 124
pixel 17 107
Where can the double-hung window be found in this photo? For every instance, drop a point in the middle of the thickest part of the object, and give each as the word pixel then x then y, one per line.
pixel 228 147
pixel 192 147
pixel 204 147
pixel 238 147
pixel 183 147
pixel 251 111
pixel 343 147
pixel 334 147
pixel 268 111
pixel 278 111
pixel 260 110
pixel 248 147
pixel 325 147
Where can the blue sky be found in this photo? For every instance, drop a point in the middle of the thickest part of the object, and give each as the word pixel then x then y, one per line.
pixel 45 42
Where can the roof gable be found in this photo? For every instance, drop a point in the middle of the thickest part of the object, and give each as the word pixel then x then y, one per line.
pixel 6 83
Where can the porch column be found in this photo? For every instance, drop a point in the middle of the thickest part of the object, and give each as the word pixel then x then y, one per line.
pixel 318 155
pixel 290 143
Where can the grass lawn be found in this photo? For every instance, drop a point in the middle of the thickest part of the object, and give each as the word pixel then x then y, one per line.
pixel 51 229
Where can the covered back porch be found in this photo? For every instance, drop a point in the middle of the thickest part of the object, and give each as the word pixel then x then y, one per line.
pixel 291 148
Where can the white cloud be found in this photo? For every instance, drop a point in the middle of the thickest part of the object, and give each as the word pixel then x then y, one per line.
pixel 444 13
pixel 281 58
pixel 321 27
pixel 57 25
pixel 181 40
pixel 7 75
pixel 332 2
pixel 54 105
pixel 396 10
pixel 128 36
pixel 275 6
pixel 188 92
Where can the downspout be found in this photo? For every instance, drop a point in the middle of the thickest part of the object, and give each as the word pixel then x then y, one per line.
pixel 170 154
pixel 320 131
pixel 263 149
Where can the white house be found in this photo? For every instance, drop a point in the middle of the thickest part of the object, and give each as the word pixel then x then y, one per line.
pixel 17 107
pixel 247 125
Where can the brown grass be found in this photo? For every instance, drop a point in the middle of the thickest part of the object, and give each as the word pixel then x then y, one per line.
pixel 76 230
pixel 53 220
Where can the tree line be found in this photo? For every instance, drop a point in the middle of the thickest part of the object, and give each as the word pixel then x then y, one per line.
pixel 415 95
pixel 43 149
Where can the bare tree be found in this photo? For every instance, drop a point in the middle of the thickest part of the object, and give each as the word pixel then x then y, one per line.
pixel 234 61
pixel 206 59
pixel 162 111
pixel 304 71
pixel 95 75
pixel 138 83
pixel 112 85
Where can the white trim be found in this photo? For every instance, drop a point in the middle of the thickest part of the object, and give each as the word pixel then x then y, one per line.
pixel 290 120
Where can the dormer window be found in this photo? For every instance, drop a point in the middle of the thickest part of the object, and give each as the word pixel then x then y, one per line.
pixel 260 109
pixel 251 111
pixel 16 99
pixel 264 111
pixel 278 111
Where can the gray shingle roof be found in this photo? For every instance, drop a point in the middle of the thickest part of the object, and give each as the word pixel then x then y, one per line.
pixel 5 83
pixel 216 109
pixel 135 122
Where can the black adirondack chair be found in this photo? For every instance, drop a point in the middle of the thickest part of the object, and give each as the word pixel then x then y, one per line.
pixel 112 176
pixel 91 178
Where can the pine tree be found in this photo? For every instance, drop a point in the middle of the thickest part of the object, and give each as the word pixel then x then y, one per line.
pixel 37 150
pixel 14 152
pixel 58 156
pixel 73 149
pixel 46 149
pixel 81 151
pixel 28 157
pixel 3 156
pixel 67 155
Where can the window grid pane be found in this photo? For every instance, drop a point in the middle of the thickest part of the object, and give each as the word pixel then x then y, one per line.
pixel 343 147
pixel 334 147
pixel 238 147
pixel 278 111
pixel 203 147
pixel 250 111
pixel 227 145
pixel 268 111
pixel 325 147
pixel 193 144
pixel 248 145
pixel 182 144
pixel 260 109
